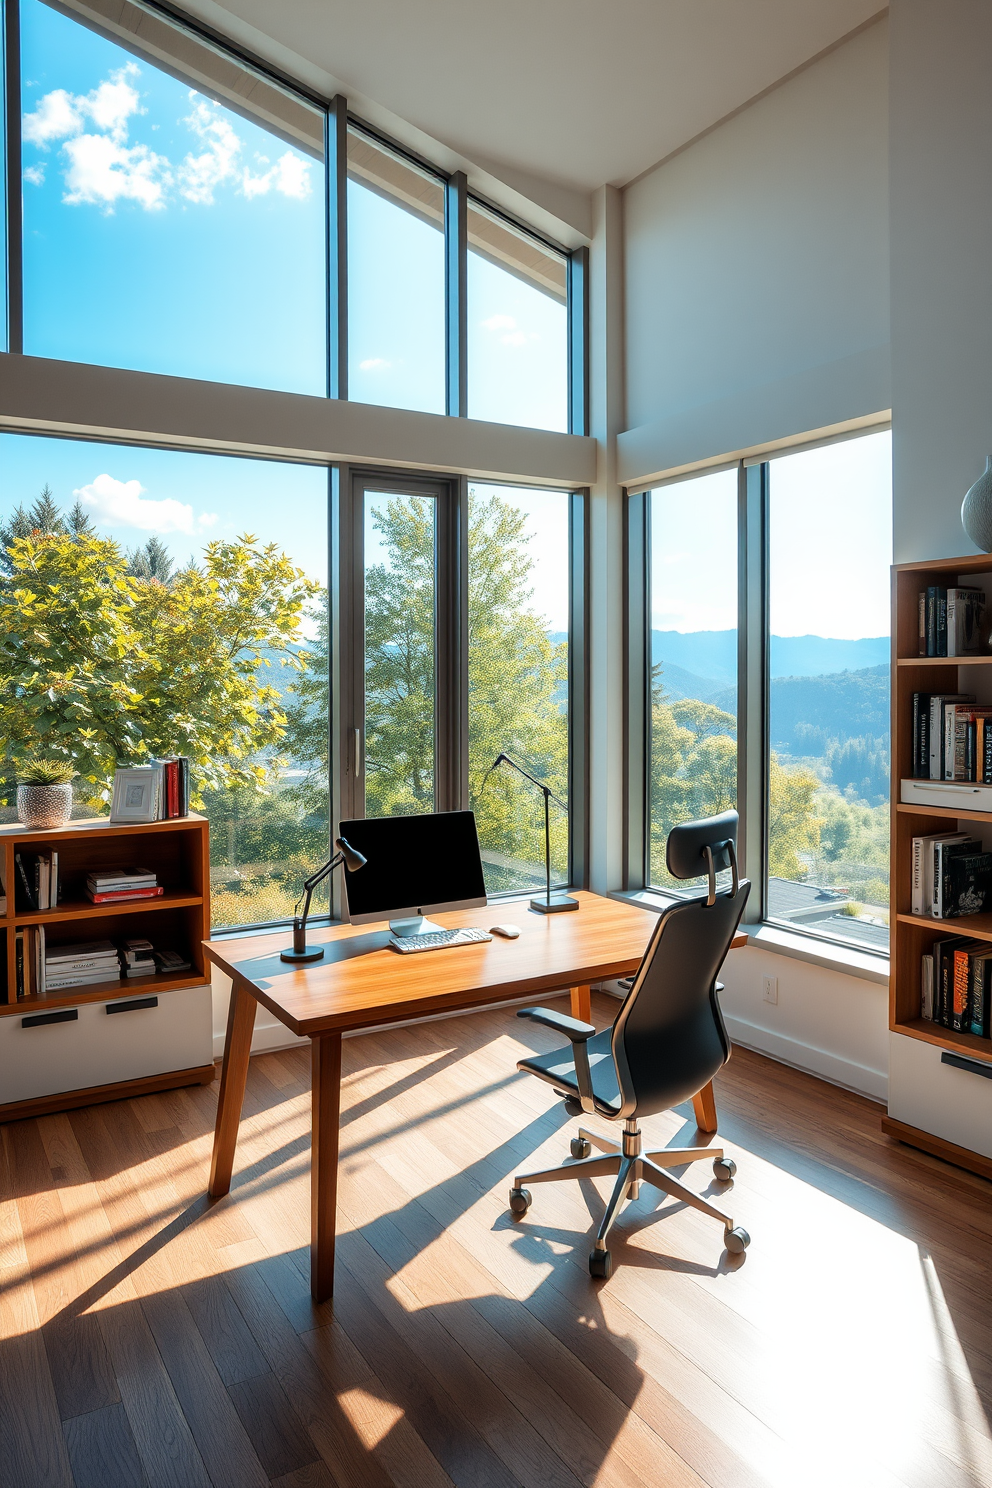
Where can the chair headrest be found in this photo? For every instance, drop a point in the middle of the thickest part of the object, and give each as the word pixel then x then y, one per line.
pixel 684 854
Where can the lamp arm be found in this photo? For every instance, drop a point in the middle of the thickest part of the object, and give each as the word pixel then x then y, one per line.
pixel 505 759
pixel 316 878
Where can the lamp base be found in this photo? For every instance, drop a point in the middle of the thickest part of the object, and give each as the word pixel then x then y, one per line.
pixel 309 953
pixel 559 903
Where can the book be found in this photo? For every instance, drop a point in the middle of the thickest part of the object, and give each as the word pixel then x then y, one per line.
pixel 921 901
pixel 936 620
pixel 922 622
pixel 938 702
pixel 22 873
pixel 119 896
pixel 171 962
pixel 978 1002
pixel 960 986
pixel 965 621
pixel 943 951
pixel 79 950
pixel 943 851
pixel 966 886
pixel 82 979
pixel 960 724
pixel 106 964
pixel 113 878
pixel 926 988
pixel 921 736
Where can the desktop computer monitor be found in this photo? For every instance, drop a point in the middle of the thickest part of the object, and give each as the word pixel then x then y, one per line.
pixel 416 864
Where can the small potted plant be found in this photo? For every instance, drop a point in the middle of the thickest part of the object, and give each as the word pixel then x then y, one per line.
pixel 44 793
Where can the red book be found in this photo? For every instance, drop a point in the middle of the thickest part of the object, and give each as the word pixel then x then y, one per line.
pixel 121 894
pixel 172 788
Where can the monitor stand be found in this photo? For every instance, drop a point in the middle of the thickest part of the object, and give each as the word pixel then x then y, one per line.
pixel 419 925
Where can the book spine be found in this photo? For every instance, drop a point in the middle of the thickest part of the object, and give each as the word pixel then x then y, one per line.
pixel 931 621
pixel 936 904
pixel 119 895
pixel 922 622
pixel 959 994
pixel 916 903
pixel 950 719
pixel 22 874
pixel 979 1010
pixel 936 751
pixel 923 770
pixel 941 623
pixel 66 968
pixel 953 619
pixel 19 962
pixel 926 991
pixel 971 731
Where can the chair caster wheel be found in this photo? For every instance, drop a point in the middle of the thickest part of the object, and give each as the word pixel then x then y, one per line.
pixel 520 1200
pixel 737 1241
pixel 572 1106
pixel 579 1147
pixel 724 1168
pixel 601 1264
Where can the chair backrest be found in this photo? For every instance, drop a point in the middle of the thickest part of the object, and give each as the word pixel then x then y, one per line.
pixel 669 1038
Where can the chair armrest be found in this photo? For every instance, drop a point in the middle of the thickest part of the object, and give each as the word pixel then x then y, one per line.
pixel 574 1031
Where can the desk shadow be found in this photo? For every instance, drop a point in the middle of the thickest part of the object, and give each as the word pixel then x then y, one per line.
pixel 264 969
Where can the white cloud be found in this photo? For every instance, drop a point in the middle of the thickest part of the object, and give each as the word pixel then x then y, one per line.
pixel 515 338
pixel 121 504
pixel 102 171
pixel 56 116
pixel 199 175
pixel 499 323
pixel 104 167
pixel 374 364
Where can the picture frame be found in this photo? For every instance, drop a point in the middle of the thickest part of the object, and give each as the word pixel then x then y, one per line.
pixel 135 797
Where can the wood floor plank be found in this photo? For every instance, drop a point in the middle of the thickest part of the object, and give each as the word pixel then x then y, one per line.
pixel 280 1438
pixel 102 1450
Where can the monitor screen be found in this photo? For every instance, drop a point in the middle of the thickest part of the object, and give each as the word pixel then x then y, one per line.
pixel 415 864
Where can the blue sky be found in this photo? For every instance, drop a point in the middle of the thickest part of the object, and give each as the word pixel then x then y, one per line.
pixel 166 233
pixel 830 542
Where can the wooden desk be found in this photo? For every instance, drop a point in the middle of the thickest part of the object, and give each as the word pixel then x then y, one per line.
pixel 361 983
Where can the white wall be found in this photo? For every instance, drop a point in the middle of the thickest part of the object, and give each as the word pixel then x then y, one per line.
pixel 757 286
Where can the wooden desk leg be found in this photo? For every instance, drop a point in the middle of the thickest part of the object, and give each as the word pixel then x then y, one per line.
pixel 704 1105
pixel 325 1059
pixel 581 1004
pixel 234 1073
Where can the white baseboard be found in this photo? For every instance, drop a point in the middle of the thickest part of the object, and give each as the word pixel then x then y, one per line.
pixel 836 1068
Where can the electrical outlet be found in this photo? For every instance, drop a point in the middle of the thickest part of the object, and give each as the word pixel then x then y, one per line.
pixel 769 989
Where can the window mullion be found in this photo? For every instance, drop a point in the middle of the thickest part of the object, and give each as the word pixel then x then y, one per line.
pixel 336 178
pixel 456 292
pixel 12 170
pixel 752 712
pixel 637 684
pixel 578 339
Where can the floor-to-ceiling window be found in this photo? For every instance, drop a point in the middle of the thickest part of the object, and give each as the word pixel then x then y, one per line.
pixel 798 699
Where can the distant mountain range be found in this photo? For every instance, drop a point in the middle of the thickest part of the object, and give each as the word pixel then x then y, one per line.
pixel 711 655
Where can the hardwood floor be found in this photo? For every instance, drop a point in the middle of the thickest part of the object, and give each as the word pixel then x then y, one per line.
pixel 148 1338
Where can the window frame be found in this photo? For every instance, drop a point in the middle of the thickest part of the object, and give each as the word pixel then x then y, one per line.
pixel 337 120
pixel 753 683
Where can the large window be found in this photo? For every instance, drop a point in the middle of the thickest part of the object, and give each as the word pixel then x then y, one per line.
pixel 830 533
pixel 693 656
pixel 163 229
pixel 517 325
pixel 396 279
pixel 784 674
pixel 178 605
pixel 176 215
pixel 518 641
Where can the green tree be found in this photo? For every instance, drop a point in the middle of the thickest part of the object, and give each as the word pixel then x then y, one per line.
pixel 102 668
pixel 44 518
pixel 153 561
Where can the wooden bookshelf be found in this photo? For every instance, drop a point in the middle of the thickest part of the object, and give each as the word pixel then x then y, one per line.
pixel 912 936
pixel 178 851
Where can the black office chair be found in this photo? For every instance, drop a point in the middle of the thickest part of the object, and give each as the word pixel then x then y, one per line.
pixel 667 1043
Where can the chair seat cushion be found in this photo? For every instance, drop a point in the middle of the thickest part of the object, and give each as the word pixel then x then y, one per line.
pixel 558 1068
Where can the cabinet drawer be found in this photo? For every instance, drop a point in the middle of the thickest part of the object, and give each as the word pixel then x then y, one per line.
pixel 47 1053
pixel 955 1104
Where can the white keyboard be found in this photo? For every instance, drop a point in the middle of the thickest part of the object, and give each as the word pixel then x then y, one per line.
pixel 437 940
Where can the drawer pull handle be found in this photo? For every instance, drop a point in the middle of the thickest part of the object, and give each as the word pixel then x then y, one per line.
pixel 973 1066
pixel 67 1015
pixel 130 1007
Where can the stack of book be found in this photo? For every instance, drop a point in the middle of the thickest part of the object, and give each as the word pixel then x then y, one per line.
pixel 952 738
pixel 38 884
pixel 952 621
pixel 957 982
pixel 116 885
pixel 952 876
pixel 137 958
pixel 79 965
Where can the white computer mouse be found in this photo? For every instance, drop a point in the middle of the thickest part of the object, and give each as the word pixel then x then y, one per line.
pixel 509 932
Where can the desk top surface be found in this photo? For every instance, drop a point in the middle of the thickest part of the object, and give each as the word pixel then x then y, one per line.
pixel 361 982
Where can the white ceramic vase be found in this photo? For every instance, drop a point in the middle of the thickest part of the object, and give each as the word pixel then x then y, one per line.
pixel 976 510
pixel 41 806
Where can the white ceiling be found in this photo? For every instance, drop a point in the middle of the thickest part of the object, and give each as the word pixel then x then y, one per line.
pixel 576 92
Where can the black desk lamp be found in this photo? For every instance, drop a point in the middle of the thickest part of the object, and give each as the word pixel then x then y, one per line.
pixel 551 903
pixel 352 860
